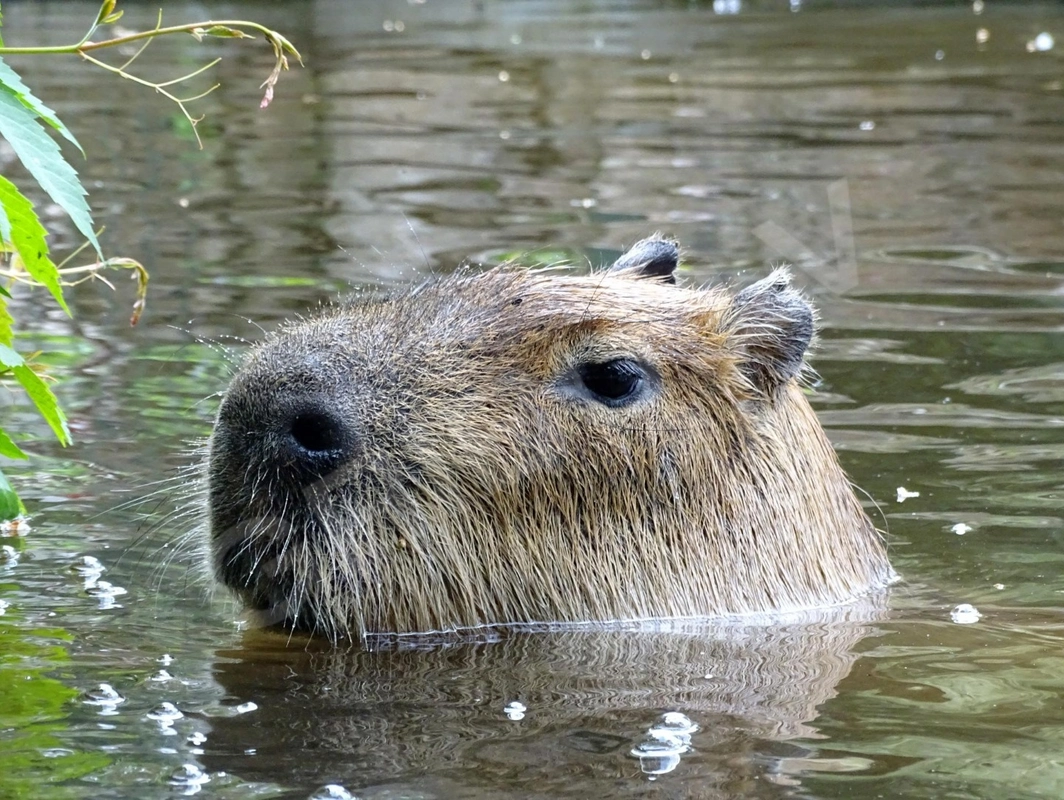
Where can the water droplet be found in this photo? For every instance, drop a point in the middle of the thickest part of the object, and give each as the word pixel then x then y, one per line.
pixel 504 135
pixel 504 76
pixel 332 791
pixel 867 125
pixel 515 711
pixel 727 6
pixel 600 42
pixel 389 25
pixel 960 528
pixel 939 55
pixel 674 77
pixel 999 586
pixel 645 55
pixel 965 614
pixel 515 39
pixel 982 36
pixel 978 6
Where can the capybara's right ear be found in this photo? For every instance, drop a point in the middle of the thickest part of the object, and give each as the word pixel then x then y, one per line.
pixel 653 257
pixel 773 325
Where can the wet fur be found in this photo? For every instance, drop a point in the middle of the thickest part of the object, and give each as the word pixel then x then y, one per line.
pixel 481 493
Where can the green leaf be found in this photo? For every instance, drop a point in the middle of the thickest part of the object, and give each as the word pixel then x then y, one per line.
pixel 10 79
pixel 7 335
pixel 5 226
pixel 10 505
pixel 38 391
pixel 28 237
pixel 113 18
pixel 40 154
pixel 9 448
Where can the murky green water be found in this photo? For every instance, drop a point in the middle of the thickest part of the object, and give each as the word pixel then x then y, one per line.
pixel 423 133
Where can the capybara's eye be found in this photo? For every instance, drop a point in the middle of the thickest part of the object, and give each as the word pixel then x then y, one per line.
pixel 613 383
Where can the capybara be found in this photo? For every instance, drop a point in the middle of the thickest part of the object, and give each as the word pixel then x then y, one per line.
pixel 535 446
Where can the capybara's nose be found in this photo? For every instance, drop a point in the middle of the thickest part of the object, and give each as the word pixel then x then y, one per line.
pixel 311 438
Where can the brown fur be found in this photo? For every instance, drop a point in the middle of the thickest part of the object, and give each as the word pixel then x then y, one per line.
pixel 479 487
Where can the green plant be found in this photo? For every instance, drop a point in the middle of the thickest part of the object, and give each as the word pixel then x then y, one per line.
pixel 24 123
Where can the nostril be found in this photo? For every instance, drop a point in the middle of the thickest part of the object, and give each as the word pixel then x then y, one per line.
pixel 318 433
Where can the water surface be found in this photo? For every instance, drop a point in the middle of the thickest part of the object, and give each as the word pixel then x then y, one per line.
pixel 908 160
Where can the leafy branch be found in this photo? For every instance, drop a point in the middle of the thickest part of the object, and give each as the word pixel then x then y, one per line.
pixel 24 256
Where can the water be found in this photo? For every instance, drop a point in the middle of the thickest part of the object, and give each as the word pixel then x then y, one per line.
pixel 422 134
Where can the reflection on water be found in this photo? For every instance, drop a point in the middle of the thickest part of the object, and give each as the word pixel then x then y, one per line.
pixel 422 134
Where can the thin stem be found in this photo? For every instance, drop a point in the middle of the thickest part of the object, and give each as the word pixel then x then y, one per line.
pixel 84 47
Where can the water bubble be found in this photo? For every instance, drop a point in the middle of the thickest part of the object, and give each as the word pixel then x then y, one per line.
pixel 88 567
pixel 660 752
pixel 960 529
pixel 999 586
pixel 165 659
pixel 504 76
pixel 867 125
pixel 600 42
pixel 57 752
pixel 166 714
pixel 939 55
pixel 8 556
pixel 982 36
pixel 106 593
pixel 196 738
pixel 727 6
pixel 904 494
pixel 645 55
pixel 515 711
pixel 331 791
pixel 676 723
pixel 162 676
pixel 515 39
pixel 105 697
pixel 190 778
pixel 978 6
pixel 965 614
pixel 674 77
pixel 244 708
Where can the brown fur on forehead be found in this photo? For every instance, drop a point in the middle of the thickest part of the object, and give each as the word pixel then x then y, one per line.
pixel 507 306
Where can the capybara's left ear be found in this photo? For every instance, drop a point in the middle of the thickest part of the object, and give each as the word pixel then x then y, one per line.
pixel 773 325
pixel 653 257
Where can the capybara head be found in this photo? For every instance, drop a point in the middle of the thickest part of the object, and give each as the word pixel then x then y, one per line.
pixel 535 446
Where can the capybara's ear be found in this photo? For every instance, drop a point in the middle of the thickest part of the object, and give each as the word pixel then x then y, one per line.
pixel 773 325
pixel 654 257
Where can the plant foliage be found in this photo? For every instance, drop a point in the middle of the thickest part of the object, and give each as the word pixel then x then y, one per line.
pixel 27 125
